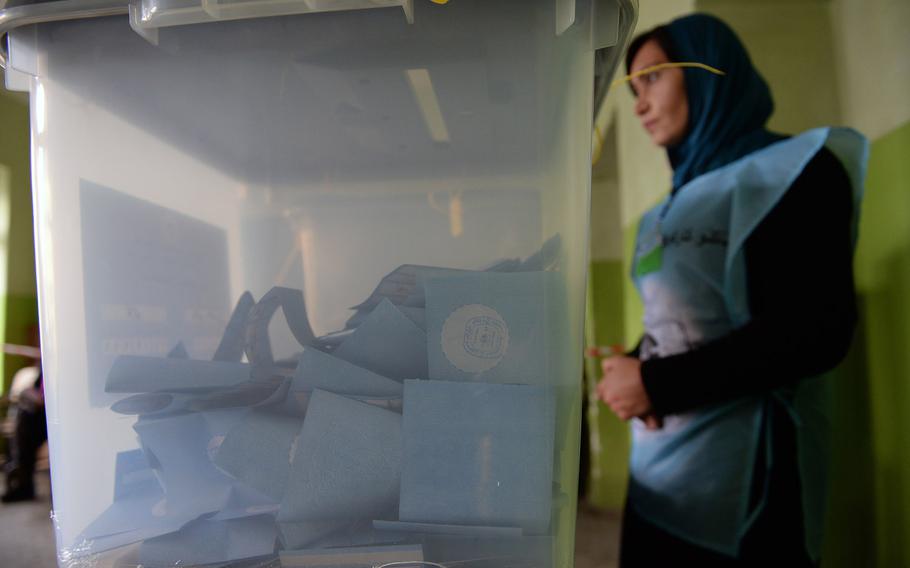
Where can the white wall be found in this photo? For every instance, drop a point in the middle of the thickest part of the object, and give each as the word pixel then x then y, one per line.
pixel 792 46
pixel 872 43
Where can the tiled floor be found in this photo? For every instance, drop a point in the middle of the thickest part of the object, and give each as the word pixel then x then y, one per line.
pixel 27 536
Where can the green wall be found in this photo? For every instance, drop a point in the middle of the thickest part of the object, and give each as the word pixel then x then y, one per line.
pixel 607 435
pixel 18 290
pixel 870 502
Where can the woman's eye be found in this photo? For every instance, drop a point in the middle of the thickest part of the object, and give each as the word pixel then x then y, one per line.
pixel 651 77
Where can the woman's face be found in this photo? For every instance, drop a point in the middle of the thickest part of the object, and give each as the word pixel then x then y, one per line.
pixel 660 96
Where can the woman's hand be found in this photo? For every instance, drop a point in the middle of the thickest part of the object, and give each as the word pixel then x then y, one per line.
pixel 622 389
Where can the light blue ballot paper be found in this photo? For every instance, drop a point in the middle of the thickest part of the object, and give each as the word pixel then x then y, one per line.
pixel 178 449
pixel 178 352
pixel 139 510
pixel 477 454
pixel 220 421
pixel 547 258
pixel 248 394
pixel 146 403
pixel 245 502
pixel 133 477
pixel 403 284
pixel 324 534
pixel 353 557
pixel 387 343
pixel 331 341
pixel 135 374
pixel 496 327
pixel 291 302
pixel 416 315
pixel 207 542
pixel 347 462
pixel 257 451
pixel 318 370
pixel 233 342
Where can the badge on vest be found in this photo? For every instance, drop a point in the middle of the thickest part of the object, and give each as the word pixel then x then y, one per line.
pixel 650 261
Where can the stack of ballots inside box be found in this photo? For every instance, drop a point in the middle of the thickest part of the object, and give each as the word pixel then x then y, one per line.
pixel 421 433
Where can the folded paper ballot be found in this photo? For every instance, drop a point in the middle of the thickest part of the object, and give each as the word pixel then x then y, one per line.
pixel 415 314
pixel 249 394
pixel 178 450
pixel 318 370
pixel 207 542
pixel 146 403
pixel 466 458
pixel 328 534
pixel 133 477
pixel 547 258
pixel 139 510
pixel 178 352
pixel 245 502
pixel 91 547
pixel 257 451
pixel 296 403
pixel 404 285
pixel 233 340
pixel 354 557
pixel 494 327
pixel 141 374
pixel 346 464
pixel 330 341
pixel 218 423
pixel 291 302
pixel 387 343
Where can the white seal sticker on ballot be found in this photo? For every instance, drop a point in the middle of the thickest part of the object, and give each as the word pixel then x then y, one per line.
pixel 475 338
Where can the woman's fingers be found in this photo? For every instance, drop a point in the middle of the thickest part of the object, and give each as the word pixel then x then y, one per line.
pixel 619 407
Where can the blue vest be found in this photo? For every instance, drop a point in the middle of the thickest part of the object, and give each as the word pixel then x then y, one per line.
pixel 693 478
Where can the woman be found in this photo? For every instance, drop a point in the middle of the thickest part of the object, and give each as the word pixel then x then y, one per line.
pixel 745 271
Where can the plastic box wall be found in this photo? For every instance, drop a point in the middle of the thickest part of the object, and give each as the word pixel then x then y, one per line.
pixel 292 152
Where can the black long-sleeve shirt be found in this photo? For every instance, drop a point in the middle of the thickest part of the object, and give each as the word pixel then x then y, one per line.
pixel 801 298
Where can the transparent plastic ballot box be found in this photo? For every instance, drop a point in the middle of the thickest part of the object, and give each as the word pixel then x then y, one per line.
pixel 312 275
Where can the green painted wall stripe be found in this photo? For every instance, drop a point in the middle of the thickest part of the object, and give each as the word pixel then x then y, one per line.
pixel 873 419
pixel 608 436
pixel 21 317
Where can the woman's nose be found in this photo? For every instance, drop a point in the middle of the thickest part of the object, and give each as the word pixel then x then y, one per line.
pixel 641 106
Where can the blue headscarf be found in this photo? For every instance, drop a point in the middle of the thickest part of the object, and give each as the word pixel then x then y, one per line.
pixel 727 114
